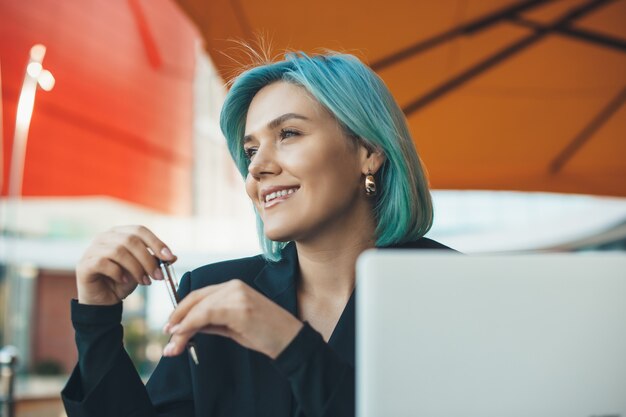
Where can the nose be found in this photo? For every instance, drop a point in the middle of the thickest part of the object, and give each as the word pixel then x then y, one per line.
pixel 264 163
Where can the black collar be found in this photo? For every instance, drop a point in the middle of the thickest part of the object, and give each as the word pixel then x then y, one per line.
pixel 277 280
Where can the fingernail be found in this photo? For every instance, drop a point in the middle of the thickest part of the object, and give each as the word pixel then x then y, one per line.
pixel 146 280
pixel 124 279
pixel 157 274
pixel 174 328
pixel 166 252
pixel 169 349
pixel 166 328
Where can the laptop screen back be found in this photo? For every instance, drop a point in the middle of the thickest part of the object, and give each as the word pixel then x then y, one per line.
pixel 490 336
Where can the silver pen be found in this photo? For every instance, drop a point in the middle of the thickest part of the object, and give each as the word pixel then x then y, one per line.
pixel 171 283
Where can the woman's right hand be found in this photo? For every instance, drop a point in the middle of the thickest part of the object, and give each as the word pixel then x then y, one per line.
pixel 116 262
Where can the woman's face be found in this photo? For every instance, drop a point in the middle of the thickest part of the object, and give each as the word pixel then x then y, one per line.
pixel 305 173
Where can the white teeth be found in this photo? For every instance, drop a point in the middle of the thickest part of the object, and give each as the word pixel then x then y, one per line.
pixel 280 193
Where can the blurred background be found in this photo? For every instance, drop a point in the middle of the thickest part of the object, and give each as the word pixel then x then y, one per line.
pixel 109 115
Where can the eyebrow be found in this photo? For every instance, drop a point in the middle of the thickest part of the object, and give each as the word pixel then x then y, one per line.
pixel 277 122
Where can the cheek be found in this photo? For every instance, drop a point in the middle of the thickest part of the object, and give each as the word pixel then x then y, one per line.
pixel 313 162
pixel 335 170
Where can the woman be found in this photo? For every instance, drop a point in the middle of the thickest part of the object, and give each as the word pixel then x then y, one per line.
pixel 331 170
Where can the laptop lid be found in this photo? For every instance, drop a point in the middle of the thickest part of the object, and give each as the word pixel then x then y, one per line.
pixel 442 334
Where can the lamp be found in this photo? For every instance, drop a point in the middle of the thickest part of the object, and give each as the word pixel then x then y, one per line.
pixel 34 75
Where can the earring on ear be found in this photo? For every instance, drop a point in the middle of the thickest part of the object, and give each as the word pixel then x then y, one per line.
pixel 370 185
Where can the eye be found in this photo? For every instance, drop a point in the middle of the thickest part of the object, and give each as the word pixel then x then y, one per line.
pixel 250 152
pixel 287 133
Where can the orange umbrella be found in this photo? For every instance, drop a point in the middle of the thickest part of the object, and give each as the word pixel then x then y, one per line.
pixel 519 95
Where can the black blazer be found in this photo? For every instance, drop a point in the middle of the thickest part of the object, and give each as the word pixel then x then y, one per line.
pixel 309 378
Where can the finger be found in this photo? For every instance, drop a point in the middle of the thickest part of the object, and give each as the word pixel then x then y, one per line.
pixel 126 236
pixel 127 261
pixel 178 342
pixel 160 249
pixel 234 289
pixel 228 332
pixel 217 330
pixel 137 247
pixel 176 345
pixel 108 268
pixel 190 301
pixel 208 313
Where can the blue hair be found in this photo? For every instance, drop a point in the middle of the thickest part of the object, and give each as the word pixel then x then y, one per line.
pixel 362 104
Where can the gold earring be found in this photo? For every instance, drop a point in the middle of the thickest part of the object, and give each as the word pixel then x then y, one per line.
pixel 370 185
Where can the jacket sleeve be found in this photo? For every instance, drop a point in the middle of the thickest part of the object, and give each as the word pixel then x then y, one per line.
pixel 322 382
pixel 105 382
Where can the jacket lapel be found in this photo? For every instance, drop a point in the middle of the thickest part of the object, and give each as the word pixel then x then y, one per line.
pixel 343 336
pixel 277 281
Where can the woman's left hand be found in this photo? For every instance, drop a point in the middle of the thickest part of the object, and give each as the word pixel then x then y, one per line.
pixel 235 310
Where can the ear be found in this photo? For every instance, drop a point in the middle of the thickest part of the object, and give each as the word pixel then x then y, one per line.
pixel 371 159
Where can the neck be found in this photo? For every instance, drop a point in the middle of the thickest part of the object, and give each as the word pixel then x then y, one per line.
pixel 328 262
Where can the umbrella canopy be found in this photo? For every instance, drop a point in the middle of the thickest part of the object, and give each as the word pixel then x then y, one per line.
pixel 519 95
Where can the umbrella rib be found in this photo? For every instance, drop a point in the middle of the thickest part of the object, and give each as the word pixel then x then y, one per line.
pixel 581 34
pixel 465 29
pixel 109 132
pixel 147 38
pixel 240 15
pixel 500 56
pixel 605 114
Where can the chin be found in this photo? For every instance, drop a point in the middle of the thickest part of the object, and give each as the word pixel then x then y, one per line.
pixel 280 227
pixel 280 233
pixel 277 236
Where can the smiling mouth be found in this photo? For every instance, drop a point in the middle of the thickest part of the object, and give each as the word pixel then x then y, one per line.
pixel 278 196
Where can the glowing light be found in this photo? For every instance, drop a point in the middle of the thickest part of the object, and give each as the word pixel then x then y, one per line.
pixel 34 69
pixel 35 74
pixel 37 52
pixel 46 80
pixel 25 107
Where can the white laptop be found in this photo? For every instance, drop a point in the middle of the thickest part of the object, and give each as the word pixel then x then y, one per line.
pixel 450 335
